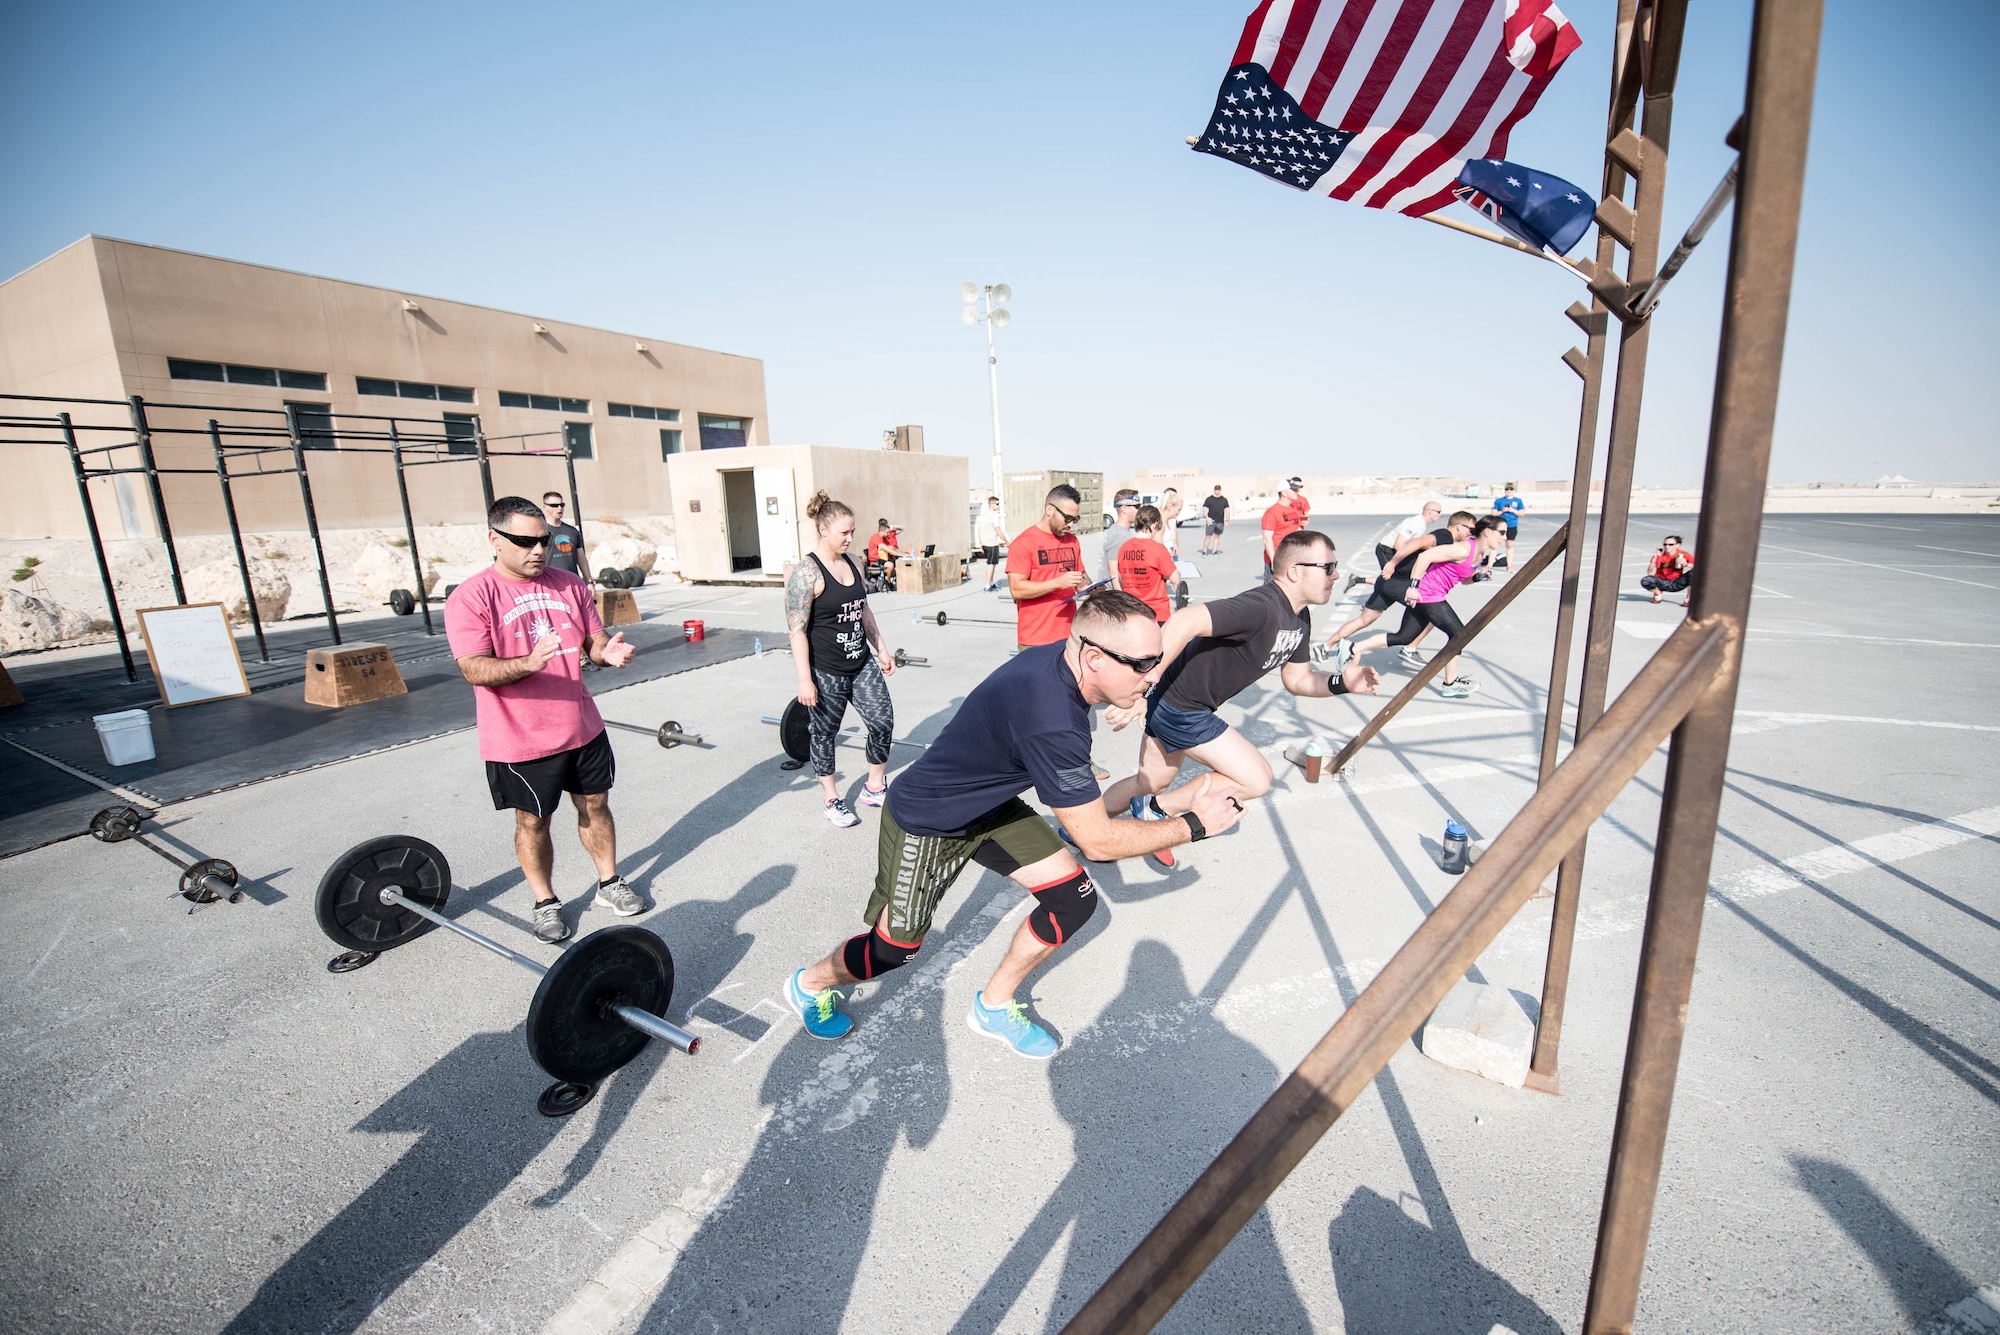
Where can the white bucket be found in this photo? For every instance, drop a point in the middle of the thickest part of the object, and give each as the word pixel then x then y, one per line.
pixel 127 736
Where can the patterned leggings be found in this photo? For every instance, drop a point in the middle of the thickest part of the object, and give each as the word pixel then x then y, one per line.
pixel 869 693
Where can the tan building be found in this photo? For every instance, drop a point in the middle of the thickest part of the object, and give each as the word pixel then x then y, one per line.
pixel 106 319
pixel 742 515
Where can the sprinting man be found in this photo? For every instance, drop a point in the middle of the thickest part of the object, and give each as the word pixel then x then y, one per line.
pixel 1145 568
pixel 519 631
pixel 1394 582
pixel 1212 652
pixel 841 660
pixel 1045 569
pixel 1025 726
pixel 1672 569
pixel 1216 507
pixel 1508 506
pixel 991 535
pixel 1436 572
pixel 1389 539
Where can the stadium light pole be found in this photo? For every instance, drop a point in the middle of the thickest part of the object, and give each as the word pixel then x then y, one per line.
pixel 987 305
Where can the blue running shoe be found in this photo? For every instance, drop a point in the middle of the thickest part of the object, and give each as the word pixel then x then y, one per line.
pixel 1063 834
pixel 1010 1024
pixel 1163 858
pixel 822 1017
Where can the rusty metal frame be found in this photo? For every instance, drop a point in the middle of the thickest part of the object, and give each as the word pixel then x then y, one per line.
pixel 1687 690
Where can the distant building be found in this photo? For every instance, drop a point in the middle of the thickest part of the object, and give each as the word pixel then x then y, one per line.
pixel 107 319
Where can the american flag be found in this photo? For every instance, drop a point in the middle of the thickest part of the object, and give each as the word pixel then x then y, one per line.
pixel 1380 102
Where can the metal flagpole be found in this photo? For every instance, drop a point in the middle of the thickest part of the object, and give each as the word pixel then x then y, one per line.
pixel 993 386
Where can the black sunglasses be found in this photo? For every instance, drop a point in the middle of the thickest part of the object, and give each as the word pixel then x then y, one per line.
pixel 1328 566
pixel 1067 517
pixel 1146 664
pixel 520 541
pixel 554 505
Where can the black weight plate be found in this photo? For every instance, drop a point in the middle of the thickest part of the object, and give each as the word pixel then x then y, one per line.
pixel 634 577
pixel 572 1033
pixel 669 734
pixel 795 731
pixel 402 602
pixel 942 619
pixel 192 887
pixel 114 825
pixel 348 903
pixel 611 578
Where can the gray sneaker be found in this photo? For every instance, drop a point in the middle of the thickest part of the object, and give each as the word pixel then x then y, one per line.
pixel 549 924
pixel 620 898
pixel 1412 657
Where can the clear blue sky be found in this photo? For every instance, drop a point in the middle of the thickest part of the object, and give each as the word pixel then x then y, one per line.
pixel 809 184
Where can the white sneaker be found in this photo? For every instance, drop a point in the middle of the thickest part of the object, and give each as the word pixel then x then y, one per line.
pixel 839 814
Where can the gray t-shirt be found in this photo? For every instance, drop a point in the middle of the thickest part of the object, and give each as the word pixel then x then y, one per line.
pixel 565 542
pixel 1101 564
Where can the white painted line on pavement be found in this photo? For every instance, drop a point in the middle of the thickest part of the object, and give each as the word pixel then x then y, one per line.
pixel 136 799
pixel 1991 556
pixel 1767 719
pixel 1828 556
pixel 1841 859
pixel 1770 593
pixel 1978 1313
pixel 1653 630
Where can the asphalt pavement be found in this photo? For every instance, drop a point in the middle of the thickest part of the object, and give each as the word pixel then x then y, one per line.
pixel 205 1130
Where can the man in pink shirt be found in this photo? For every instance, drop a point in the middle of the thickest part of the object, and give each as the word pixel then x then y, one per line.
pixel 520 630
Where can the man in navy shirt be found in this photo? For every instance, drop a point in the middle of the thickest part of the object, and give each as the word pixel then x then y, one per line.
pixel 1509 506
pixel 1026 726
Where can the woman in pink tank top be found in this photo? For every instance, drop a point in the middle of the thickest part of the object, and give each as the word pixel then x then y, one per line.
pixel 1437 571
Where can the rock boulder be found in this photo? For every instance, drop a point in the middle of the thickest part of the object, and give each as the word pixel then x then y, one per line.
pixel 37 623
pixel 219 582
pixel 622 552
pixel 382 568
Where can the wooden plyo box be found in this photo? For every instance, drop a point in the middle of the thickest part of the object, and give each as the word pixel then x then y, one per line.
pixel 616 607
pixel 353 674
pixel 928 574
pixel 10 694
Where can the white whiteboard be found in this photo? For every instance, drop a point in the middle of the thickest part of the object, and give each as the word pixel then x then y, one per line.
pixel 193 654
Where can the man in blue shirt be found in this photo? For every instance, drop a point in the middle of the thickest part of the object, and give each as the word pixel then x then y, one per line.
pixel 1509 507
pixel 1026 726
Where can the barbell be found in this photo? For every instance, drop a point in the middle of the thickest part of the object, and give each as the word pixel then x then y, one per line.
pixel 203 881
pixel 595 1008
pixel 795 734
pixel 943 619
pixel 668 734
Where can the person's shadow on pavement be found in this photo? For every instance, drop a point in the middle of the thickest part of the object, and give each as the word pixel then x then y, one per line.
pixel 474 1110
pixel 1142 1135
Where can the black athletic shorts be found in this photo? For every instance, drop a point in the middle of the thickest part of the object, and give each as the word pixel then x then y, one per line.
pixel 1388 592
pixel 993 556
pixel 538 785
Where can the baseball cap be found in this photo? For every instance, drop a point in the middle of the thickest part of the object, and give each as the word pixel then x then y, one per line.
pixel 1296 483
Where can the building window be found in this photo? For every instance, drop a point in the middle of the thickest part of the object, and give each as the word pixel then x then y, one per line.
pixel 724 433
pixel 315 425
pixel 576 435
pixel 409 389
pixel 246 375
pixel 650 414
pixel 670 441
pixel 460 435
pixel 547 403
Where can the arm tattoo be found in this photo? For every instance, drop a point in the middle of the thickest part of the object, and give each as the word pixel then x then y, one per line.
pixel 800 590
pixel 869 628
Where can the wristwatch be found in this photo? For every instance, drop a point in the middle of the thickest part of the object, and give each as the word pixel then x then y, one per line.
pixel 1196 830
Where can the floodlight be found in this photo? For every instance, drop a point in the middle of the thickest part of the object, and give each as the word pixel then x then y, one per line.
pixel 968 291
pixel 1001 317
pixel 1002 294
pixel 969 314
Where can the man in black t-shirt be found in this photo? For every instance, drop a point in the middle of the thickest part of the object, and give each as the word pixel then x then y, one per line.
pixel 1394 582
pixel 1212 652
pixel 565 540
pixel 1026 726
pixel 1216 507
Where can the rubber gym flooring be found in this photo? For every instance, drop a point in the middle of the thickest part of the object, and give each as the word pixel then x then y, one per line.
pixel 223 744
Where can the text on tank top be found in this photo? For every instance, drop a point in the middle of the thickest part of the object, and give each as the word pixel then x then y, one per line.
pixel 833 624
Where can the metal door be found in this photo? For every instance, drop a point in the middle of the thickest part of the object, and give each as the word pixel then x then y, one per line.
pixel 777 518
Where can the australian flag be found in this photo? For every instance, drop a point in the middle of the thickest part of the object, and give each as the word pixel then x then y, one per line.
pixel 1257 125
pixel 1544 211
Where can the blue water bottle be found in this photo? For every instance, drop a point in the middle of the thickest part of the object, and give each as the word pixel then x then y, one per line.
pixel 1453 857
pixel 757 646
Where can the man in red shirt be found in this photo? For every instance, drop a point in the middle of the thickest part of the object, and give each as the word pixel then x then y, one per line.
pixel 1285 517
pixel 884 546
pixel 1045 569
pixel 1672 569
pixel 520 631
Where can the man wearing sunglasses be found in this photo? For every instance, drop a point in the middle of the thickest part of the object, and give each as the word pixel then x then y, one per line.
pixel 1045 569
pixel 520 631
pixel 1213 652
pixel 1027 725
pixel 565 538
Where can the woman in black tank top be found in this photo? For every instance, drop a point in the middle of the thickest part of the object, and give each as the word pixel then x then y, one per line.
pixel 837 648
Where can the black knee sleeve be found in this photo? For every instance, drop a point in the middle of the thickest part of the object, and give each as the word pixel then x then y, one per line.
pixel 1062 909
pixel 872 954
